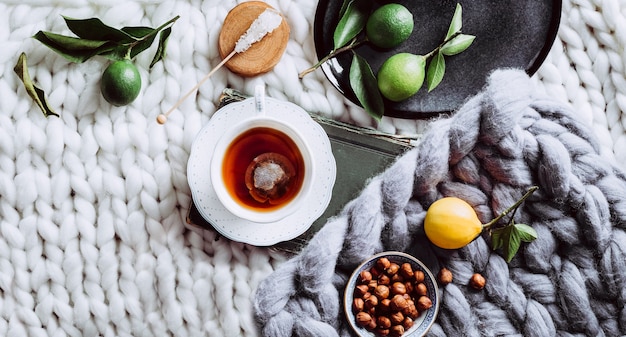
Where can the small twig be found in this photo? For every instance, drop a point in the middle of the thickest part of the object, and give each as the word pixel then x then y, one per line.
pixel 512 208
pixel 332 54
pixel 434 51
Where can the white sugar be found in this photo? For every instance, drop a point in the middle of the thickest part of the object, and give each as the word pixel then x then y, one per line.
pixel 267 175
pixel 261 26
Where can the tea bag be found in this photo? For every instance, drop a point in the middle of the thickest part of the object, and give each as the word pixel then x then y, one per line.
pixel 268 177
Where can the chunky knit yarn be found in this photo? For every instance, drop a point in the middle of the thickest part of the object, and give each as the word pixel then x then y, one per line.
pixel 570 281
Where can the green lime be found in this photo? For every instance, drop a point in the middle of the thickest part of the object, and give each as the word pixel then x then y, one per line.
pixel 120 83
pixel 401 76
pixel 389 25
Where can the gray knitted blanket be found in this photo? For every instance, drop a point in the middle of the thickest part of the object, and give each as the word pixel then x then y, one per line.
pixel 570 281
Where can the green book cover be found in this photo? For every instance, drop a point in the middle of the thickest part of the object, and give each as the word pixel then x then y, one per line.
pixel 360 154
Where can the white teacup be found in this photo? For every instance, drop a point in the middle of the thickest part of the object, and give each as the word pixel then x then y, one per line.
pixel 262 169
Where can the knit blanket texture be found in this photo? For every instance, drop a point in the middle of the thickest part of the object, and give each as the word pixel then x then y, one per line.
pixel 93 237
pixel 571 280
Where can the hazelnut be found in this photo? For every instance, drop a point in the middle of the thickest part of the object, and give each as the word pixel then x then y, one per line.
pixel 396 318
pixel 383 263
pixel 397 278
pixel 372 324
pixel 384 280
pixel 421 290
pixel 418 276
pixel 361 290
pixel 363 319
pixel 411 311
pixel 383 322
pixel 424 303
pixel 398 303
pixel 384 306
pixel 382 332
pixel 358 304
pixel 396 330
pixel 372 285
pixel 445 276
pixel 398 288
pixel 375 272
pixel 406 270
pixel 365 276
pixel 407 323
pixel 392 269
pixel 477 281
pixel 371 302
pixel 410 288
pixel 381 291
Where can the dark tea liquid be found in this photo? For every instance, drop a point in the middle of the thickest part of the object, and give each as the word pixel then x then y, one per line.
pixel 242 151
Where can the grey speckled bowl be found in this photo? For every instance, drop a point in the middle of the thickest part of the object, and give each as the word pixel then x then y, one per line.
pixel 423 323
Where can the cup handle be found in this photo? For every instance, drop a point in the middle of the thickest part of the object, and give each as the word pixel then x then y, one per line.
pixel 259 99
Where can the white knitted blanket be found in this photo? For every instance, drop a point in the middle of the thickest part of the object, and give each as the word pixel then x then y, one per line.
pixel 93 204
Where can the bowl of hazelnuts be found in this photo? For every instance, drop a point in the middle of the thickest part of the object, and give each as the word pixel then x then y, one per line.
pixel 391 294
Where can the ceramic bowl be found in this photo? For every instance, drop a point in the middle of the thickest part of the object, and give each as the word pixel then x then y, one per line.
pixel 422 323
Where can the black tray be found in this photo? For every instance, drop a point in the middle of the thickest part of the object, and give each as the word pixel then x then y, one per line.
pixel 509 34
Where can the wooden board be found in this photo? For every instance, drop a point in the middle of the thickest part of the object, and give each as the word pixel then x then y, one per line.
pixel 263 55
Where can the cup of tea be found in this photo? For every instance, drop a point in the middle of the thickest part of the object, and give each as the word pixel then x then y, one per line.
pixel 262 169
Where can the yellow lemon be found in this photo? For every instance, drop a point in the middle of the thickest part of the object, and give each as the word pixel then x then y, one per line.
pixel 451 223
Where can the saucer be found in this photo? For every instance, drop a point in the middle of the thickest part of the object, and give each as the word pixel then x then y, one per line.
pixel 238 229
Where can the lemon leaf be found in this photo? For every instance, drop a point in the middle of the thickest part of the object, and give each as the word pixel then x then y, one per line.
pixel 457 44
pixel 96 38
pixel 496 240
pixel 344 6
pixel 38 95
pixel 365 87
pixel 94 29
pixel 510 238
pixel 456 23
pixel 160 54
pixel 72 48
pixel 525 232
pixel 510 241
pixel 436 70
pixel 351 23
pixel 145 34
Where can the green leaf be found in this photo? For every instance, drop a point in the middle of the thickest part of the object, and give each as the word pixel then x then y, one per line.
pixel 94 29
pixel 96 38
pixel 496 240
pixel 138 32
pixel 510 237
pixel 436 70
pixel 365 87
pixel 145 36
pixel 456 23
pixel 344 6
pixel 38 95
pixel 525 232
pixel 510 241
pixel 116 53
pixel 72 48
pixel 351 23
pixel 160 53
pixel 457 45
